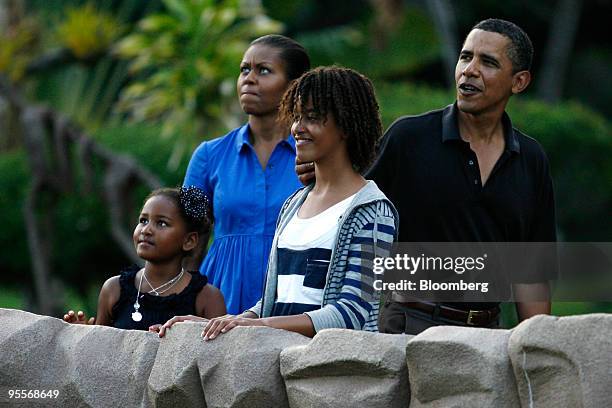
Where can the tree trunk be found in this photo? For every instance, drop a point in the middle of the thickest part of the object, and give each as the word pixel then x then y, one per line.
pixel 446 26
pixel 388 17
pixel 50 143
pixel 561 37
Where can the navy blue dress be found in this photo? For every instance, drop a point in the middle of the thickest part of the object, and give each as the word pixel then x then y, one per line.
pixel 154 309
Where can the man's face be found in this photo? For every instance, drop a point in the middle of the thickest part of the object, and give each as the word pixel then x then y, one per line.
pixel 484 74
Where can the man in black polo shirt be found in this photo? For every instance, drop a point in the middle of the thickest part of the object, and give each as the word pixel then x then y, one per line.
pixel 464 174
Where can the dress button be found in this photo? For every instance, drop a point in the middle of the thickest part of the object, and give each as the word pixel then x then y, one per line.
pixel 471 162
pixel 475 181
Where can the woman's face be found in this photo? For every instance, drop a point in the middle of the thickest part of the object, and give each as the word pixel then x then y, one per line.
pixel 317 138
pixel 262 80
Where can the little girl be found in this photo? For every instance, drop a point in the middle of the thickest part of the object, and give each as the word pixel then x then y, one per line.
pixel 320 268
pixel 169 226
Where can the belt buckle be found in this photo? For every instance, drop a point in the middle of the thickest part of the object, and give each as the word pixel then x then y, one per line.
pixel 470 318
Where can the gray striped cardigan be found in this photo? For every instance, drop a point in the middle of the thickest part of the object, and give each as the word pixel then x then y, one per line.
pixel 366 229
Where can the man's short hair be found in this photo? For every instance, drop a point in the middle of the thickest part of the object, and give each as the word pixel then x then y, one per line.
pixel 520 50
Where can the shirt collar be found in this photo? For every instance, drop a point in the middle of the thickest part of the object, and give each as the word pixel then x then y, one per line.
pixel 242 139
pixel 450 128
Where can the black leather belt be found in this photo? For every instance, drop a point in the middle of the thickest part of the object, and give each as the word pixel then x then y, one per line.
pixel 478 318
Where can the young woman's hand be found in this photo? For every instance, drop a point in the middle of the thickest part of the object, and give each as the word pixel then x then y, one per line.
pixel 226 323
pixel 78 318
pixel 177 319
pixel 155 328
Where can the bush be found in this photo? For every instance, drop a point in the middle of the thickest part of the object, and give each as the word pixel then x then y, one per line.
pixel 84 253
pixel 14 256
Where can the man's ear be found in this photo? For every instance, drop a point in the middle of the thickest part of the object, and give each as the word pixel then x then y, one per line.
pixel 520 81
pixel 191 241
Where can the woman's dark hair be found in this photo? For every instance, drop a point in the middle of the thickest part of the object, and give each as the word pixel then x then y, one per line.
pixel 292 53
pixel 346 94
pixel 192 203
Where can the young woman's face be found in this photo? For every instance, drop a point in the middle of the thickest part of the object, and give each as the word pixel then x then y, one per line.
pixel 161 231
pixel 262 80
pixel 317 139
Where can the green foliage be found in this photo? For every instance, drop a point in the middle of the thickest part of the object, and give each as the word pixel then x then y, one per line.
pixel 84 252
pixel 509 319
pixel 410 47
pixel 398 99
pixel 578 143
pixel 84 90
pixel 141 141
pixel 185 62
pixel 17 46
pixel 14 176
pixel 11 298
pixel 84 93
pixel 88 32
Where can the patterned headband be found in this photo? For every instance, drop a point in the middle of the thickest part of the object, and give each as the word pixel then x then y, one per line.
pixel 194 202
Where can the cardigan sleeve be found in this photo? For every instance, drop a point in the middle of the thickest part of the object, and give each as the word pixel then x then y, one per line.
pixel 255 309
pixel 356 300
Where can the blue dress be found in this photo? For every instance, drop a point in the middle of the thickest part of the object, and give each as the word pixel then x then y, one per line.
pixel 246 201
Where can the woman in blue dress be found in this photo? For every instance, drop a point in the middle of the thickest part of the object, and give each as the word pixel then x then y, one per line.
pixel 249 172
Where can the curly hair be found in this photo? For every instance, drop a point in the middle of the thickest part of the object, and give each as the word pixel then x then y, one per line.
pixel 346 94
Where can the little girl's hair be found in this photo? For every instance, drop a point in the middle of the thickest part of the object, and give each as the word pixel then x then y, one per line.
pixel 192 203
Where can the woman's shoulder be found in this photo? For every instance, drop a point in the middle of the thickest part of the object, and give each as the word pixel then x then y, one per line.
pixel 210 302
pixel 111 289
pixel 213 145
pixel 371 204
pixel 124 282
pixel 209 291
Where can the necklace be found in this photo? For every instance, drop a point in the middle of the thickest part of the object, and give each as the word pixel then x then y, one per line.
pixel 137 316
pixel 171 283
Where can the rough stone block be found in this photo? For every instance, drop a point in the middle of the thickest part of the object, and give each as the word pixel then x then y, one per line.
pixel 563 362
pixel 89 365
pixel 461 367
pixel 237 369
pixel 347 368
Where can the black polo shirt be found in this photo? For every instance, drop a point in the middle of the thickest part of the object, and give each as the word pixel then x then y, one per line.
pixel 432 177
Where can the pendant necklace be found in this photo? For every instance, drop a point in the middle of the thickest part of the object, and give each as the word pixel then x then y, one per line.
pixel 137 316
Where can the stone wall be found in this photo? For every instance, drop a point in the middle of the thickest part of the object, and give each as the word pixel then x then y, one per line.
pixel 544 362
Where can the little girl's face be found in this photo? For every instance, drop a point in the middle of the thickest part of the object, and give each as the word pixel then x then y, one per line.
pixel 161 231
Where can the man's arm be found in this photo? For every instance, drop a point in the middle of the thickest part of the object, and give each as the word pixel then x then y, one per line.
pixel 531 299
pixel 534 298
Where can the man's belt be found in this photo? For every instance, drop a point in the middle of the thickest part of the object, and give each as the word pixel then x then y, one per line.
pixel 479 318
